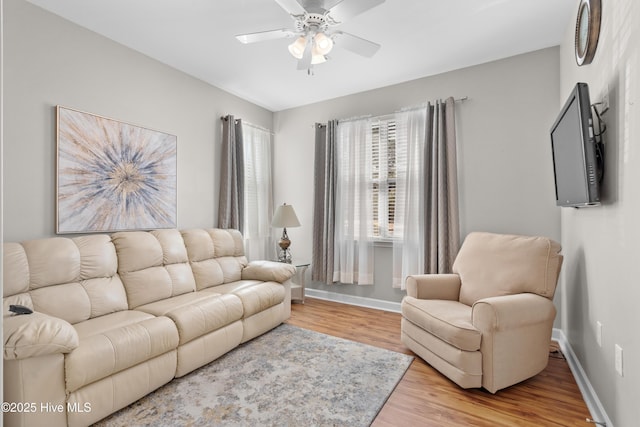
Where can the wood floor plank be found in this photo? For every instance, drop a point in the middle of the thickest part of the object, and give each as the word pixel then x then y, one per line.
pixel 424 397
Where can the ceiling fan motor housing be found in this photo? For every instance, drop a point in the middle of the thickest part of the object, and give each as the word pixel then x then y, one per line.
pixel 315 22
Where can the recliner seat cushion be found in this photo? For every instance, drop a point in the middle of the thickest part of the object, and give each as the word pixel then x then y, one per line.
pixel 255 296
pixel 198 313
pixel 134 338
pixel 450 321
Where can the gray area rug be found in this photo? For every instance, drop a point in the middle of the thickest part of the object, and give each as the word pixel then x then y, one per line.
pixel 286 377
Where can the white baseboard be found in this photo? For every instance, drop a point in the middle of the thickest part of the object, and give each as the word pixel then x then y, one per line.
pixel 354 300
pixel 588 393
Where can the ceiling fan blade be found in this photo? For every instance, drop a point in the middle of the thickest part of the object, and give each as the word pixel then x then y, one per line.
pixel 292 7
pixel 304 63
pixel 265 35
pixel 347 9
pixel 356 44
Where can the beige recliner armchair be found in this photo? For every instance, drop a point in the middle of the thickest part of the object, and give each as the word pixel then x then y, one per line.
pixel 489 323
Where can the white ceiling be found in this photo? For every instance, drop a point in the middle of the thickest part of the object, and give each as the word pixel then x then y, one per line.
pixel 418 37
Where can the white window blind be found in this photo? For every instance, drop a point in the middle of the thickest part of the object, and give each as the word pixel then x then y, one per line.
pixel 384 152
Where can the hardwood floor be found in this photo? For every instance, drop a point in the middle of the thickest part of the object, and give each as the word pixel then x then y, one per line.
pixel 424 397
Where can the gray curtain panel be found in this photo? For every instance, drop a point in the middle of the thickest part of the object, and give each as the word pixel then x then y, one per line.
pixel 324 202
pixel 441 188
pixel 231 206
pixel 427 193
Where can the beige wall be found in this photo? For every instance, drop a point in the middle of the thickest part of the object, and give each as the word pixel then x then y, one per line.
pixel 601 245
pixel 50 61
pixel 504 155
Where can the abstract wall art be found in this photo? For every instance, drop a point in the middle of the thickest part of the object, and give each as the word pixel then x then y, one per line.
pixel 113 176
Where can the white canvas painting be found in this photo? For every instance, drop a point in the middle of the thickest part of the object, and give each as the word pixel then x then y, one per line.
pixel 113 176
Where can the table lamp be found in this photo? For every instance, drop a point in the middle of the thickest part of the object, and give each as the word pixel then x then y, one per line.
pixel 285 217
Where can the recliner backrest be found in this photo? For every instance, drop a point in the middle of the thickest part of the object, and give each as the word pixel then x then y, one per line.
pixel 216 255
pixel 73 279
pixel 153 265
pixel 492 264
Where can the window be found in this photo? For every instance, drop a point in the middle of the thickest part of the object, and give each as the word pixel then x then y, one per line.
pixel 383 177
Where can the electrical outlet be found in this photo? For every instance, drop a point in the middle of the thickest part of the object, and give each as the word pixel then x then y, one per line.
pixel 619 360
pixel 599 333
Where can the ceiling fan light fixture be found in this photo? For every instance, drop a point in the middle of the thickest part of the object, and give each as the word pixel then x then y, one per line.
pixel 296 49
pixel 318 59
pixel 313 30
pixel 322 44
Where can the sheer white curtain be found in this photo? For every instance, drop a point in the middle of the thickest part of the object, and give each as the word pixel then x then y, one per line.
pixel 353 244
pixel 411 221
pixel 258 195
pixel 427 230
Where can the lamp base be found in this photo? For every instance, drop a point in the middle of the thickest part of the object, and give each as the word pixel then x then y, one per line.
pixel 284 255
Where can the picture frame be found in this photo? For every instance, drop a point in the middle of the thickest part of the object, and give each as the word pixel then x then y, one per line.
pixel 112 175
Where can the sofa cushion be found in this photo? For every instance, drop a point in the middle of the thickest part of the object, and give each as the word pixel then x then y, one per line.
pixel 133 339
pixel 227 242
pixel 255 296
pixel 500 264
pixel 52 261
pixel 448 320
pixel 73 279
pixel 207 273
pixel 216 256
pixel 162 307
pixel 15 270
pixel 153 265
pixel 228 288
pixel 202 314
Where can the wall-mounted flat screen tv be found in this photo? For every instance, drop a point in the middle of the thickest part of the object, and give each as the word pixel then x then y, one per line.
pixel 573 145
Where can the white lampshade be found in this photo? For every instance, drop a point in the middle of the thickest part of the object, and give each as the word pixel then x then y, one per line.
pixel 318 59
pixel 297 47
pixel 285 217
pixel 322 44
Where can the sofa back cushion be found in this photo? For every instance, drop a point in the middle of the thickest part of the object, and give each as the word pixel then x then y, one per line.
pixel 216 255
pixel 501 264
pixel 153 265
pixel 15 276
pixel 73 279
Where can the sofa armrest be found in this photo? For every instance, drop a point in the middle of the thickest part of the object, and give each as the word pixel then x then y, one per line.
pixel 511 312
pixel 433 286
pixel 268 271
pixel 37 334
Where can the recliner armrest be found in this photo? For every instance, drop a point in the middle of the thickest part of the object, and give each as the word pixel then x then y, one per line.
pixel 37 334
pixel 433 286
pixel 268 271
pixel 511 312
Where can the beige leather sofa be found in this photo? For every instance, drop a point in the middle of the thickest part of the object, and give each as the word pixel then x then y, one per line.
pixel 489 323
pixel 117 316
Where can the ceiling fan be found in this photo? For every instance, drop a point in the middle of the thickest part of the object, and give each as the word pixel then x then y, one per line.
pixel 313 30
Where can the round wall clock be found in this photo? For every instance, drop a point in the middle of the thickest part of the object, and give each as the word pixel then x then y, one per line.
pixel 587 30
